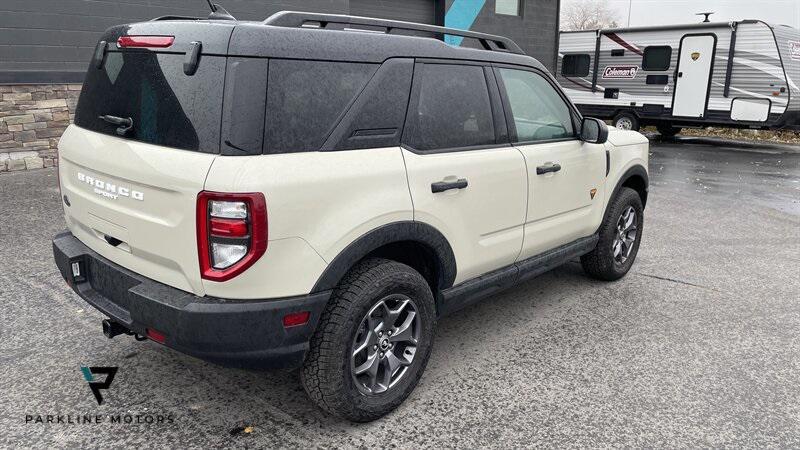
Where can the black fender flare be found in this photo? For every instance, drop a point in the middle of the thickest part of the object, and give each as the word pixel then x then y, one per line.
pixel 417 232
pixel 637 170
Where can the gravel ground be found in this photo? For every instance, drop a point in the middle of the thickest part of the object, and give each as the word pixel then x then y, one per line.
pixel 697 346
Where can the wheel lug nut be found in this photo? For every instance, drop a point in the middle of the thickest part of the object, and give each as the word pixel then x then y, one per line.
pixel 380 333
pixel 382 354
pixel 375 347
pixel 390 332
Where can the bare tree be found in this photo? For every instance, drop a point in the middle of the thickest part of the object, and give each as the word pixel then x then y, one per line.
pixel 588 15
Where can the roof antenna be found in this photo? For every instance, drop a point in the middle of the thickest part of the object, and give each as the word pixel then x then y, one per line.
pixel 707 14
pixel 218 12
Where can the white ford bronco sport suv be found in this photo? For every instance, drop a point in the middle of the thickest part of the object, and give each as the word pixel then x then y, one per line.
pixel 301 193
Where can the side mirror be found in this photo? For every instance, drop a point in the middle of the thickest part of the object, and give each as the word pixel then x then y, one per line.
pixel 594 131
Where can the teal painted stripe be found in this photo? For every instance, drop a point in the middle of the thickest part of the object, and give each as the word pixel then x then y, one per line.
pixel 461 15
pixel 87 374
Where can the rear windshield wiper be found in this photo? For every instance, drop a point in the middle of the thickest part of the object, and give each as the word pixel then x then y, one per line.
pixel 125 123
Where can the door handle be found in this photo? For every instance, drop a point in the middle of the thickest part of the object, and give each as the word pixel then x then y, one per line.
pixel 548 168
pixel 441 186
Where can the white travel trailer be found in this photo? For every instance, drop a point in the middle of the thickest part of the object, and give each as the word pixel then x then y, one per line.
pixel 738 74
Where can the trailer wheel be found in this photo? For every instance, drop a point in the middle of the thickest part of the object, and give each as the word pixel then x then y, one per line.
pixel 667 130
pixel 626 121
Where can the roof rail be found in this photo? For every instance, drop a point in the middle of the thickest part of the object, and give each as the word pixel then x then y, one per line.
pixel 156 19
pixel 294 19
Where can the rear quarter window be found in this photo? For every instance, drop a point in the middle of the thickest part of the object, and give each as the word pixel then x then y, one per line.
pixel 168 107
pixel 306 99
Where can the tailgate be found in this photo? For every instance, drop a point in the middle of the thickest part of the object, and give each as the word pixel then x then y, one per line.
pixel 134 203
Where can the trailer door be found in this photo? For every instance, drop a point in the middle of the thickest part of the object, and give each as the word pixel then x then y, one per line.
pixel 695 63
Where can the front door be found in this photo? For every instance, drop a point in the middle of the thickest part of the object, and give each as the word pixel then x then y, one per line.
pixel 695 62
pixel 566 176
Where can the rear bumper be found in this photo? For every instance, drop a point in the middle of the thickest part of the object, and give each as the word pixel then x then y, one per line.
pixel 237 333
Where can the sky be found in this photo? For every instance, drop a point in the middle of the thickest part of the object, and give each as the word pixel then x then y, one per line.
pixel 666 12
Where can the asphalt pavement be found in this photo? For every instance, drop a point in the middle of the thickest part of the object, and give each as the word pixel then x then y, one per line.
pixel 698 346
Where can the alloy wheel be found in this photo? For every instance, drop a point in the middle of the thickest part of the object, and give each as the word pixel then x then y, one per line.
pixel 385 344
pixel 625 237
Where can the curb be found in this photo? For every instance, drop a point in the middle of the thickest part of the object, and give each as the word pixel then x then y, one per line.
pixel 730 144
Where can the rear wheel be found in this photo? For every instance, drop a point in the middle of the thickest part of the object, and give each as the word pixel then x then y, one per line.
pixel 626 121
pixel 620 235
pixel 373 341
pixel 667 130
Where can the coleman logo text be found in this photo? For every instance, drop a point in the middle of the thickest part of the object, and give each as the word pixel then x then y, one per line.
pixel 611 72
pixel 794 49
pixel 110 190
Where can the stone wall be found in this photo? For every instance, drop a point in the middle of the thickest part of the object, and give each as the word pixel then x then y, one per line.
pixel 32 119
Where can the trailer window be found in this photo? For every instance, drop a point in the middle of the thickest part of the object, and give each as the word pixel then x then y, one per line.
pixel 657 57
pixel 575 65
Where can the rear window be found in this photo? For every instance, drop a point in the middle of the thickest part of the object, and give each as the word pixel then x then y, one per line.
pixel 168 107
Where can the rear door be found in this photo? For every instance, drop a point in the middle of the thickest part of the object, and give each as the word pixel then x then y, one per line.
pixel 465 178
pixel 130 189
pixel 693 80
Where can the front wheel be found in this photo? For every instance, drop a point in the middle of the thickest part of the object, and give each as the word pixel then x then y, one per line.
pixel 620 235
pixel 373 341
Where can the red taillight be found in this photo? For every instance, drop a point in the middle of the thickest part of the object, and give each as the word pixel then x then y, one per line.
pixel 156 335
pixel 145 41
pixel 231 233
pixel 228 227
pixel 295 319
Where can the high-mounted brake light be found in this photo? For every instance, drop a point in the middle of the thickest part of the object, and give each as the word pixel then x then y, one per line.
pixel 145 41
pixel 231 233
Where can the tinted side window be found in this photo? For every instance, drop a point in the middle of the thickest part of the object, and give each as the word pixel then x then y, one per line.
pixel 452 110
pixel 305 100
pixel 657 58
pixel 539 111
pixel 575 65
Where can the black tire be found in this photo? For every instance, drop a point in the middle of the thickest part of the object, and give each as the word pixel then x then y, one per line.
pixel 601 262
pixel 668 131
pixel 327 375
pixel 626 117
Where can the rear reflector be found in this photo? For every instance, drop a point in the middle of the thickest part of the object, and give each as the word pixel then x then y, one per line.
pixel 156 335
pixel 145 41
pixel 228 227
pixel 296 319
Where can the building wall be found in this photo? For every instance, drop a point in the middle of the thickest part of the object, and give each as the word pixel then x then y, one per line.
pixel 32 118
pixel 47 45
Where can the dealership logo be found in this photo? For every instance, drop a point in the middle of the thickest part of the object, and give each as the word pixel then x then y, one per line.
pixel 96 385
pixel 794 49
pixel 108 189
pixel 620 72
pixel 695 56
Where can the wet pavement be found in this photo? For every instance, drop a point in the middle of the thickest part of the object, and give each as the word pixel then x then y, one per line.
pixel 697 346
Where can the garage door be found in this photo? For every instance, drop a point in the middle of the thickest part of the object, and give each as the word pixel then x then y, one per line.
pixel 421 11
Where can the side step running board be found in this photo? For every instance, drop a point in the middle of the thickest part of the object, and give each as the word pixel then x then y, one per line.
pixel 471 291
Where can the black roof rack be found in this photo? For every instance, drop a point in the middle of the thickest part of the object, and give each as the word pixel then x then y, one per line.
pixel 295 19
pixel 156 19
